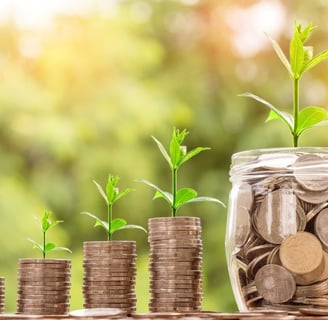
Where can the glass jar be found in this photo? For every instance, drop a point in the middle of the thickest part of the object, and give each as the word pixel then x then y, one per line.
pixel 277 228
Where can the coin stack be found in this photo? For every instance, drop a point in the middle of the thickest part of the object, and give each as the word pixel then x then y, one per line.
pixel 280 233
pixel 109 275
pixel 43 286
pixel 2 294
pixel 175 264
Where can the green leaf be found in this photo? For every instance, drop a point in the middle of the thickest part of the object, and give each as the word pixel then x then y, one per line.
pixel 36 245
pixel 49 246
pixel 99 222
pixel 45 222
pixel 111 189
pixel 123 193
pixel 183 196
pixel 103 224
pixel 131 226
pixel 281 56
pixel 176 152
pixel 273 116
pixel 309 117
pixel 316 60
pixel 101 190
pixel 283 116
pixel 159 192
pixel 206 199
pixel 304 34
pixel 117 224
pixel 62 249
pixel 193 153
pixel 163 151
pixel 296 53
pixel 53 224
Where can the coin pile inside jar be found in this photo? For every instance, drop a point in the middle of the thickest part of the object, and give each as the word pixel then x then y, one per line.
pixel 2 294
pixel 175 264
pixel 43 286
pixel 281 231
pixel 109 275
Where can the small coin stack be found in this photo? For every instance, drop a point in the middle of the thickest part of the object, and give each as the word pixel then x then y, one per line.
pixel 280 233
pixel 2 294
pixel 43 286
pixel 109 275
pixel 175 264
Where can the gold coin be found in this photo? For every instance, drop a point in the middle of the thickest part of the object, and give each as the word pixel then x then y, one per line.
pixel 302 255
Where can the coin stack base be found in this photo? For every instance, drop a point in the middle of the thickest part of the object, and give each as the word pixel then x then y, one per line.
pixel 2 294
pixel 43 286
pixel 109 275
pixel 175 264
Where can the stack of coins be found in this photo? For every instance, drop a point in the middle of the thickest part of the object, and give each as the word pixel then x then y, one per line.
pixel 175 264
pixel 280 234
pixel 43 286
pixel 2 294
pixel 109 275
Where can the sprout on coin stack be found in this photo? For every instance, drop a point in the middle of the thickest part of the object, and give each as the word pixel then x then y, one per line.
pixel 175 242
pixel 110 266
pixel 44 284
pixel 276 239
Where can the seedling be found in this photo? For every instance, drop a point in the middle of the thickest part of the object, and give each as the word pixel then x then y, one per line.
pixel 46 224
pixel 177 156
pixel 112 195
pixel 301 59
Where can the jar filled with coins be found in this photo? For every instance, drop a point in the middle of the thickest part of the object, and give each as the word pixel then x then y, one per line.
pixel 277 229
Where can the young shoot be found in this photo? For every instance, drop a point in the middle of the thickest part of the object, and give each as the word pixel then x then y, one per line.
pixel 176 157
pixel 111 195
pixel 301 60
pixel 46 224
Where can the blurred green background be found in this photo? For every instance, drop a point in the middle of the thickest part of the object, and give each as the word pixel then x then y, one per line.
pixel 84 85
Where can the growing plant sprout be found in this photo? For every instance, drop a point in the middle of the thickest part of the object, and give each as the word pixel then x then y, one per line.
pixel 301 59
pixel 177 156
pixel 112 195
pixel 46 224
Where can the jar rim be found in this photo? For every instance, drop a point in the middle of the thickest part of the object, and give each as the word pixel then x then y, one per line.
pixel 250 162
pixel 258 152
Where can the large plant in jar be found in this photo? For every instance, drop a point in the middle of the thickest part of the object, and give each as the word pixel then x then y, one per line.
pixel 276 239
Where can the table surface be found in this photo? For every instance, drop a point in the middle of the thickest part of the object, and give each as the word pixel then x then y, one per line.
pixel 306 314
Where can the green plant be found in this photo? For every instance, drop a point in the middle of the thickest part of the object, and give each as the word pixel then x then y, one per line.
pixel 177 156
pixel 112 195
pixel 301 59
pixel 46 224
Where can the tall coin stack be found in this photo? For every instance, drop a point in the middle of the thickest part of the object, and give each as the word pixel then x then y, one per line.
pixel 175 264
pixel 43 286
pixel 109 275
pixel 2 294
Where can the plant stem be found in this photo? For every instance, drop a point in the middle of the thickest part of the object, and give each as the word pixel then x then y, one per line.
pixel 44 245
pixel 109 220
pixel 296 110
pixel 174 190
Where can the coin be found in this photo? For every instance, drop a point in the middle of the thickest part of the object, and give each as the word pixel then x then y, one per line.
pixel 242 226
pixel 321 228
pixel 276 218
pixel 97 313
pixel 44 261
pixel 275 283
pixel 310 173
pixel 302 254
